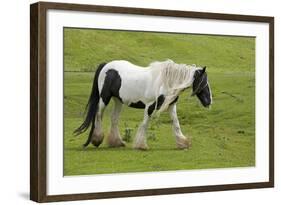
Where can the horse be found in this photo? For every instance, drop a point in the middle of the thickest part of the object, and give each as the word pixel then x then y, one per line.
pixel 155 88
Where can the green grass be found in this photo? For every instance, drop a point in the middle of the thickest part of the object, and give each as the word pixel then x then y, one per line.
pixel 84 49
pixel 223 136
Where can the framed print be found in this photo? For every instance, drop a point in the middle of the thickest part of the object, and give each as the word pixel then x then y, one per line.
pixel 133 102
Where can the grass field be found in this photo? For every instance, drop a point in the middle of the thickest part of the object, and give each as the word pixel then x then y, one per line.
pixel 223 136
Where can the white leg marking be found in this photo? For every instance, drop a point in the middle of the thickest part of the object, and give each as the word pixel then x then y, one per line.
pixel 140 139
pixel 97 136
pixel 181 140
pixel 114 138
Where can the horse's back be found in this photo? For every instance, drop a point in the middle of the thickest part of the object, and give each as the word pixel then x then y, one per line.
pixel 123 65
pixel 135 80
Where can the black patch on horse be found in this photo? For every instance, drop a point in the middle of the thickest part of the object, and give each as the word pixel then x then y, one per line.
pixel 138 104
pixel 200 81
pixel 111 86
pixel 174 101
pixel 201 88
pixel 160 101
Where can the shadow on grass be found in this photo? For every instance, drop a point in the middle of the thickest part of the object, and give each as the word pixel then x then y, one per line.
pixel 112 149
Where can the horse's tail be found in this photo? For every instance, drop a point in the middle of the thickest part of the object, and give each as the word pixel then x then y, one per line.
pixel 91 107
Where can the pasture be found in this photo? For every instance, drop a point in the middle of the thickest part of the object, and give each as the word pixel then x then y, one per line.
pixel 222 137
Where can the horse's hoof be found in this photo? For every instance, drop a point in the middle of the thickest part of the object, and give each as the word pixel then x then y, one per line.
pixel 115 141
pixel 183 143
pixel 118 144
pixel 141 147
pixel 96 143
pixel 97 139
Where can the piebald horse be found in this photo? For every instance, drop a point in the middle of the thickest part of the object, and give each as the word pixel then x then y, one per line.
pixel 155 88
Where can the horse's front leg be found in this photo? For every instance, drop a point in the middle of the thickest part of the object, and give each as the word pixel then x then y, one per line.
pixel 181 141
pixel 140 139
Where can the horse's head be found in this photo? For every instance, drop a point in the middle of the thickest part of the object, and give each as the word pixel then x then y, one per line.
pixel 200 87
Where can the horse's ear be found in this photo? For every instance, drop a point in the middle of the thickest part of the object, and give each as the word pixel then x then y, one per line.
pixel 204 69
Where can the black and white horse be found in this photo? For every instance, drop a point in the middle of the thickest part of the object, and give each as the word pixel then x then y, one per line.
pixel 155 88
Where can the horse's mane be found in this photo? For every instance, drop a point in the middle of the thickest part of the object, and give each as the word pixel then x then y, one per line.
pixel 174 77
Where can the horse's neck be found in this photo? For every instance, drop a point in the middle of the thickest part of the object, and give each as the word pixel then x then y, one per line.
pixel 170 81
pixel 178 78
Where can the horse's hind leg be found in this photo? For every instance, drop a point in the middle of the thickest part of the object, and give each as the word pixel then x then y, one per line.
pixel 114 139
pixel 97 136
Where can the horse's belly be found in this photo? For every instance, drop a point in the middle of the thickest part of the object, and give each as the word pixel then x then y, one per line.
pixel 132 93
